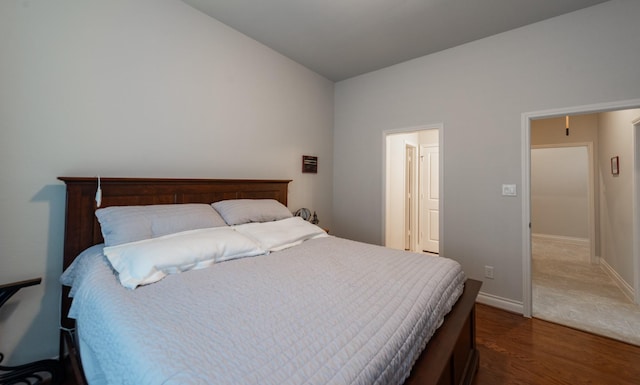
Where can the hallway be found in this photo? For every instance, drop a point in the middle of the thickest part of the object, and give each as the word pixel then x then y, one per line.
pixel 568 290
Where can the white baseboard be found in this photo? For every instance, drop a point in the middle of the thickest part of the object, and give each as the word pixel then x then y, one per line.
pixel 573 240
pixel 501 303
pixel 622 284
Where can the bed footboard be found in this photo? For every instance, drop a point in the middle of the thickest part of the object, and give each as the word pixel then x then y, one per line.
pixel 451 357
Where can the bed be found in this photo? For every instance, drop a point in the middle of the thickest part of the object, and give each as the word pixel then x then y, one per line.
pixel 330 345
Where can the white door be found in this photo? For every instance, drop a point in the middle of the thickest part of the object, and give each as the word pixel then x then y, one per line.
pixel 429 199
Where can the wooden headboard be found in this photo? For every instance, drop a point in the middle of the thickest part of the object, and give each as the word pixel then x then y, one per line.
pixel 82 229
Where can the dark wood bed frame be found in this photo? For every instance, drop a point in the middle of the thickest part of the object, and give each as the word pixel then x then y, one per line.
pixel 450 357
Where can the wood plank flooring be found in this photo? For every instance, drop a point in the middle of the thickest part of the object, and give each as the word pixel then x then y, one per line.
pixel 517 350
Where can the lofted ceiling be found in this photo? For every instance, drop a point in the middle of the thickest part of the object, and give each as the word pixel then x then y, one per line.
pixel 340 39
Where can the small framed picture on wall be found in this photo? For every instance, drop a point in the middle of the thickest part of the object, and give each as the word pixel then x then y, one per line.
pixel 615 165
pixel 310 164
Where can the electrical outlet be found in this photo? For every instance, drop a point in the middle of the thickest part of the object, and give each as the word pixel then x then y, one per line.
pixel 488 272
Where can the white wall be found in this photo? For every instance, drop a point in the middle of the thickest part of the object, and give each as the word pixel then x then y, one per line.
pixel 149 88
pixel 479 91
pixel 429 137
pixel 616 199
pixel 560 191
pixel 583 129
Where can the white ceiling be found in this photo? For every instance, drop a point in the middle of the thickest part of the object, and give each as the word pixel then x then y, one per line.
pixel 340 39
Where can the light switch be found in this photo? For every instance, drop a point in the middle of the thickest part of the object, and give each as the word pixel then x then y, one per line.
pixel 509 190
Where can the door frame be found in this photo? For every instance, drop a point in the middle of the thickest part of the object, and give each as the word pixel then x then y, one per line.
pixel 636 208
pixel 385 133
pixel 525 122
pixel 411 189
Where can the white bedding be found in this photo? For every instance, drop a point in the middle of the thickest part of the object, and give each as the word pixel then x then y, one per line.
pixel 150 260
pixel 282 234
pixel 328 311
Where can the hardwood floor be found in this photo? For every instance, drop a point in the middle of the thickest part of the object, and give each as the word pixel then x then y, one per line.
pixel 517 350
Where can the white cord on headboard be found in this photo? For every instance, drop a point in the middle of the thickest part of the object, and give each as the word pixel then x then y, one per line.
pixel 98 194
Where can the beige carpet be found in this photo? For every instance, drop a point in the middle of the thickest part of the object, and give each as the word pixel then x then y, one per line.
pixel 568 290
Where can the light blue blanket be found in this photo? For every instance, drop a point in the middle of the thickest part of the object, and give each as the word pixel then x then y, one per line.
pixel 329 311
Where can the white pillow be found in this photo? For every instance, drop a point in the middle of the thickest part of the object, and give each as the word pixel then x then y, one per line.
pixel 282 234
pixel 150 260
pixel 239 211
pixel 123 224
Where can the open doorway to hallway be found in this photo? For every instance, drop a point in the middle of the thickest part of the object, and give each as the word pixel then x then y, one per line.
pixel 412 189
pixel 583 263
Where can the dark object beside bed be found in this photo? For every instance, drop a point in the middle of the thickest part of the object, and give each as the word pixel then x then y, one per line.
pixel 31 373
pixel 450 357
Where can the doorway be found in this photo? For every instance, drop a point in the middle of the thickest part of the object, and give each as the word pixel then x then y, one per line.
pixel 596 294
pixel 527 119
pixel 412 176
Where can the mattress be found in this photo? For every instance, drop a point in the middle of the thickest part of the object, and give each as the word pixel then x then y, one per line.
pixel 328 311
